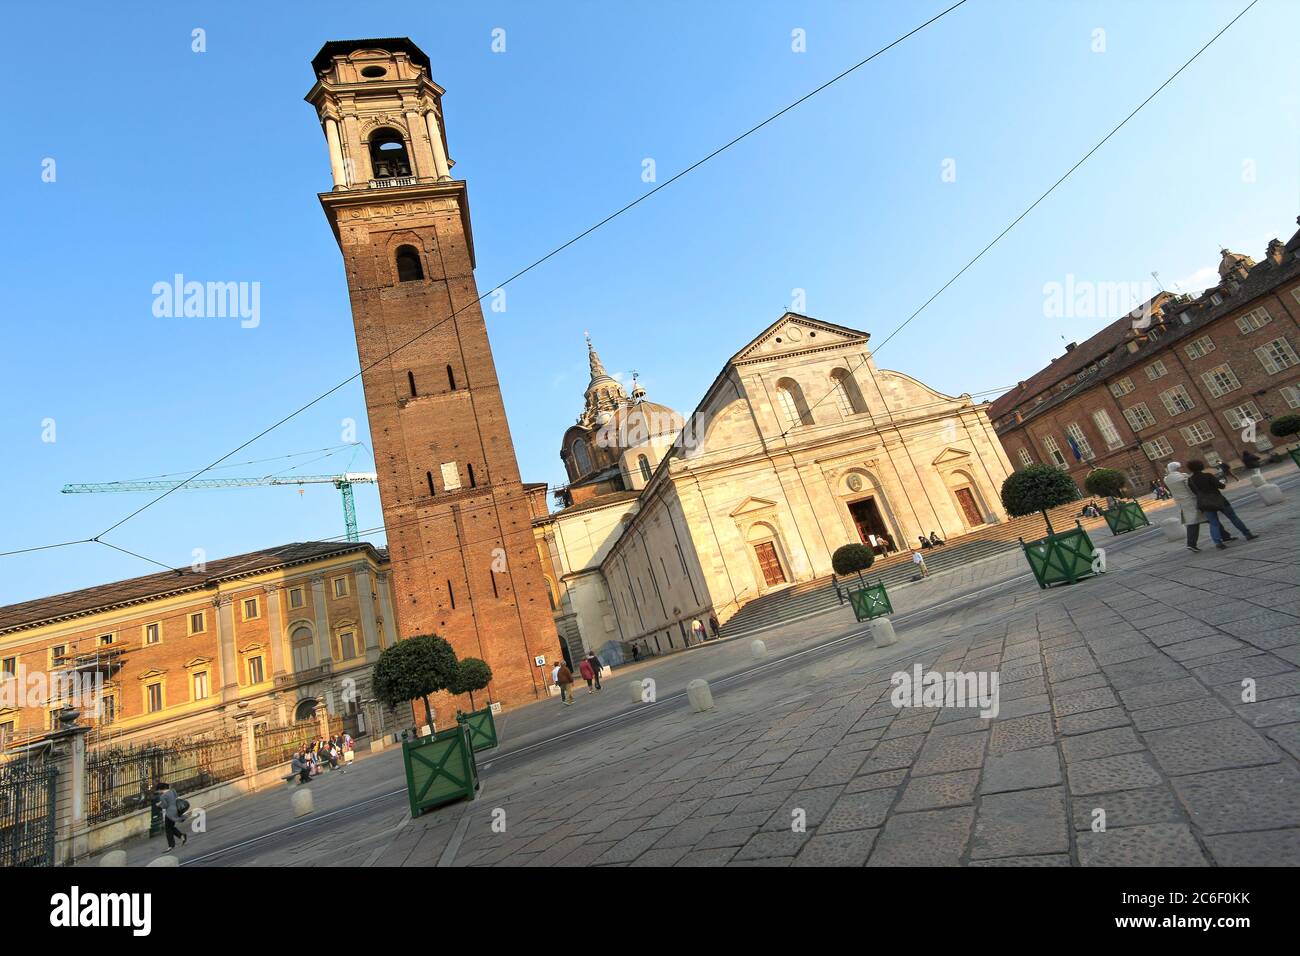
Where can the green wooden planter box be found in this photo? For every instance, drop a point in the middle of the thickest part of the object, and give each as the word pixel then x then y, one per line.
pixel 1295 455
pixel 482 728
pixel 870 601
pixel 1060 558
pixel 1125 516
pixel 439 769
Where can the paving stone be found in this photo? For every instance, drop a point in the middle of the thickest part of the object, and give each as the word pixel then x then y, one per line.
pixel 908 724
pixel 1034 687
pixel 1156 844
pixel 1278 847
pixel 1272 687
pixel 1195 711
pixel 1100 743
pixel 1253 798
pixel 1021 770
pixel 927 838
pixel 1074 685
pixel 1270 713
pixel 1092 720
pixel 876 781
pixel 1287 737
pixel 837 849
pixel 814 805
pixel 631 846
pixel 1054 859
pixel 1107 774
pixel 1144 670
pixel 940 790
pixel 1128 808
pixel 1021 733
pixel 715 857
pixel 1165 692
pixel 945 754
pixel 767 843
pixel 1215 745
pixel 858 811
pixel 1083 701
pixel 728 837
pixel 893 754
pixel 1038 704
pixel 1021 824
pixel 1202 647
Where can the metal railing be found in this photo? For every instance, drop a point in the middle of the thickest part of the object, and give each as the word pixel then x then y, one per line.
pixel 27 813
pixel 121 780
pixel 276 745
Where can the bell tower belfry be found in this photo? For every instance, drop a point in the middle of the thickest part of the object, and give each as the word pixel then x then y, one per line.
pixel 464 560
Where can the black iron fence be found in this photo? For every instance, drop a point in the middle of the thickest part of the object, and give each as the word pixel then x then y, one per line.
pixel 277 745
pixel 27 813
pixel 121 780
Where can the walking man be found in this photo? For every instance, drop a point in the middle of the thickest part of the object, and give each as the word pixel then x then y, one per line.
pixel 173 812
pixel 697 630
pixel 1210 500
pixel 594 661
pixel 564 677
pixel 584 668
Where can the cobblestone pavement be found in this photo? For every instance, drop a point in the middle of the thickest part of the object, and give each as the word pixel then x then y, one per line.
pixel 1121 695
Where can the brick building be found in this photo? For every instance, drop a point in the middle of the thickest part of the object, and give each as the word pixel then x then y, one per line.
pixel 1179 378
pixel 274 633
pixel 457 516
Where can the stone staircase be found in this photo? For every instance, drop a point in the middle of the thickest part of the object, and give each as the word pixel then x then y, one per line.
pixel 813 597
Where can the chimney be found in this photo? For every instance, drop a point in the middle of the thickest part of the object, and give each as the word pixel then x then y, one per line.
pixel 1071 347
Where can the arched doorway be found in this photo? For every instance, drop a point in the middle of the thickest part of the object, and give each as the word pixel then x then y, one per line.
pixel 306 710
pixel 869 513
pixel 970 503
pixel 772 570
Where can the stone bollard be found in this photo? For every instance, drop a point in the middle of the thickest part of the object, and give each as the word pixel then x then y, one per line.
pixel 882 632
pixel 1257 478
pixel 1173 529
pixel 698 693
pixel 1271 494
pixel 301 802
pixel 635 693
pixel 166 860
pixel 113 858
pixel 758 650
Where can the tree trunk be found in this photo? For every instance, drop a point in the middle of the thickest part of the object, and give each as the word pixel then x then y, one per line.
pixel 1048 522
pixel 471 700
pixel 428 712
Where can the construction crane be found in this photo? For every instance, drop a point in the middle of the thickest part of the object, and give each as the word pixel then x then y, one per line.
pixel 342 482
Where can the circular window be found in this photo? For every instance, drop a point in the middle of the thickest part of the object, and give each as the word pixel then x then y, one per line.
pixel 374 72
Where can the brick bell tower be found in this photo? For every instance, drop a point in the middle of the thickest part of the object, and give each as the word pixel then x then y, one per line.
pixel 465 565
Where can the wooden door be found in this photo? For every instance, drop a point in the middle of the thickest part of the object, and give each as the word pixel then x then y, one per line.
pixel 768 561
pixel 967 501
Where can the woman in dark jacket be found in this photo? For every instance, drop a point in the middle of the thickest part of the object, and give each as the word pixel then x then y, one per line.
pixel 1210 501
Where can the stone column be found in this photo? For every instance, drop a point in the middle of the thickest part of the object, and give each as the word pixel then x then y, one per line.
pixel 226 643
pixel 439 151
pixel 281 656
pixel 366 602
pixel 422 161
pixel 337 169
pixel 249 753
pixel 322 717
pixel 324 654
pixel 386 608
pixel 68 755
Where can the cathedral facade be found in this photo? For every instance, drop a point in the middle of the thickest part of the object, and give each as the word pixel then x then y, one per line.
pixel 800 445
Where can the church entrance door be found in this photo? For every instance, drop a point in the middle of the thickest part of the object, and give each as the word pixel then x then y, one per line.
pixel 866 515
pixel 770 563
pixel 966 499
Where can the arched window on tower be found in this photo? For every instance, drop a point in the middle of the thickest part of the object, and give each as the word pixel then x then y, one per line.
pixel 410 380
pixel 794 410
pixel 847 394
pixel 408 264
pixel 388 156
pixel 581 457
pixel 451 378
pixel 644 464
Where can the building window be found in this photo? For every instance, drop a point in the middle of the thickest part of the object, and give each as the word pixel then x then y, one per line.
pixel 1198 347
pixel 643 463
pixel 1216 299
pixel 1139 416
pixel 1239 416
pixel 388 156
pixel 7 729
pixel 340 587
pixel 201 685
pixel 581 457
pixel 1197 433
pixel 1291 395
pixel 1157 370
pixel 1026 459
pixel 408 264
pixel 1158 447
pixel 1054 451
pixel 1220 380
pixel 106 640
pixel 304 654
pixel 347 645
pixel 9 668
pixel 251 610
pixel 1177 400
pixel 794 409
pixel 1109 434
pixel 198 622
pixel 1122 387
pixel 450 476
pixel 107 709
pixel 153 633
pixel 153 697
pixel 1254 319
pixel 847 394
pixel 255 674
pixel 58 655
pixel 1276 356
pixel 295 597
pixel 1080 441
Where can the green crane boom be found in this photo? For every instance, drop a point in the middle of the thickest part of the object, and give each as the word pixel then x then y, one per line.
pixel 342 482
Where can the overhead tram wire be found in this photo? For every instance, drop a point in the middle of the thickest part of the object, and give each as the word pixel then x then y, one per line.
pixel 558 249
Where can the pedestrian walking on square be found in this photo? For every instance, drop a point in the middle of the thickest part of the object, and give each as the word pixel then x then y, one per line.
pixel 713 618
pixel 1209 499
pixel 697 630
pixel 173 808
pixel 1185 499
pixel 919 560
pixel 564 678
pixel 584 668
pixel 1225 472
pixel 594 661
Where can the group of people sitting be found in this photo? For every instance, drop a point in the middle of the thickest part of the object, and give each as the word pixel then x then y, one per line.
pixel 310 759
pixel 934 541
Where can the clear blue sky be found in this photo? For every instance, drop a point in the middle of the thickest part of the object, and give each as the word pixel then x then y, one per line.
pixel 208 165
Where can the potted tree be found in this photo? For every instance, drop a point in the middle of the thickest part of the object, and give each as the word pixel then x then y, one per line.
pixel 440 767
pixel 474 674
pixel 1286 427
pixel 1060 557
pixel 867 600
pixel 1121 515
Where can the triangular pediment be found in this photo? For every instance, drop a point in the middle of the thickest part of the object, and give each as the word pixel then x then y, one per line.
pixel 151 672
pixel 198 662
pixel 797 333
pixel 752 504
pixel 950 455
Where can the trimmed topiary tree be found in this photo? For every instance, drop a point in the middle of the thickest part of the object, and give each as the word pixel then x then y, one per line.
pixel 1106 482
pixel 415 668
pixel 1285 427
pixel 472 674
pixel 1037 488
pixel 852 558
